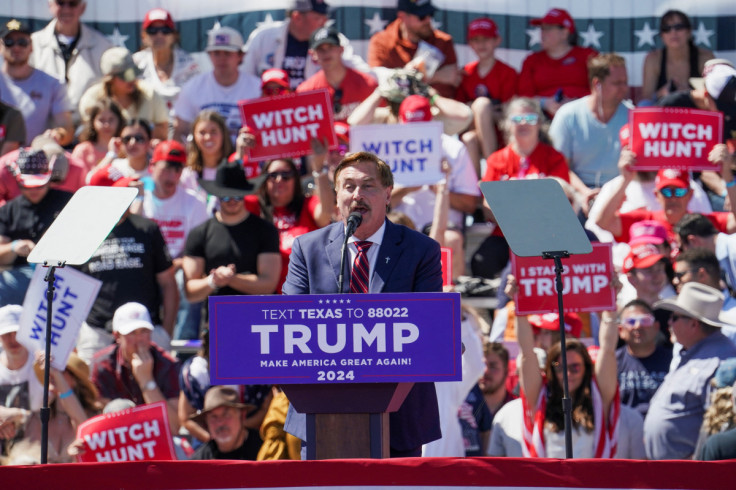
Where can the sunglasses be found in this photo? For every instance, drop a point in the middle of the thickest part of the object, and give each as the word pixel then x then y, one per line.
pixel 285 175
pixel 138 138
pixel 152 30
pixel 231 199
pixel 70 4
pixel 22 42
pixel 531 119
pixel 680 275
pixel 572 368
pixel 670 192
pixel 675 27
pixel 640 320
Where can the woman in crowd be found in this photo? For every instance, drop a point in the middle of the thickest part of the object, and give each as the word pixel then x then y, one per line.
pixel 72 400
pixel 593 391
pixel 104 122
pixel 280 199
pixel 164 65
pixel 558 72
pixel 210 146
pixel 128 154
pixel 136 98
pixel 667 69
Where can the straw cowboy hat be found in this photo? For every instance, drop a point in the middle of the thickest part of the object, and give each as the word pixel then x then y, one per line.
pixel 697 301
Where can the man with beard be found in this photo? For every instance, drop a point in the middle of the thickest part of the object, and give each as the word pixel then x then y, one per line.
pixel 224 416
pixel 396 46
pixel 40 97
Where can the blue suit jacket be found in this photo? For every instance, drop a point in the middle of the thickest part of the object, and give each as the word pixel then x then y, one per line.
pixel 407 262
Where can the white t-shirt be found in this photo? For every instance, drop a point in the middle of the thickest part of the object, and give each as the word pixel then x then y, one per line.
pixel 419 205
pixel 21 383
pixel 175 216
pixel 203 92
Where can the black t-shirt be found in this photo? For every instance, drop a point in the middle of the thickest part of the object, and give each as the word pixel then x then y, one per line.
pixel 639 378
pixel 247 451
pixel 22 220
pixel 127 263
pixel 295 60
pixel 240 244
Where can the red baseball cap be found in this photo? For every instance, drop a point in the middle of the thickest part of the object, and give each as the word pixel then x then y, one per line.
pixel 170 151
pixel 415 108
pixel 647 231
pixel 275 75
pixel 641 257
pixel 158 14
pixel 667 177
pixel 556 17
pixel 549 321
pixel 483 26
pixel 110 176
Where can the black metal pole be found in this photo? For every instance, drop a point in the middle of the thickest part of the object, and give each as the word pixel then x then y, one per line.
pixel 566 401
pixel 45 411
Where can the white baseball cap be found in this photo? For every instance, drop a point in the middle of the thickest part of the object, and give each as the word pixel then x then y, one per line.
pixel 10 318
pixel 130 317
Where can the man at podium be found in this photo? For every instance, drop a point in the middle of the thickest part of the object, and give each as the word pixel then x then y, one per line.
pixel 382 257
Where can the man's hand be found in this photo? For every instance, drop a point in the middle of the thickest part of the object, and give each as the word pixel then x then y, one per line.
pixel 626 162
pixel 223 275
pixel 142 366
pixel 720 155
pixel 22 247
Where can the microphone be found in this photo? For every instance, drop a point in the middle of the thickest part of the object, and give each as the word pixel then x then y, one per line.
pixel 354 221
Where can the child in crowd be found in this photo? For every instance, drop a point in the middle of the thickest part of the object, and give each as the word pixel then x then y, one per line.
pixel 105 122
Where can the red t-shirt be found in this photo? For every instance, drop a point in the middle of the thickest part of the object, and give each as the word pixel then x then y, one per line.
pixel 719 220
pixel 544 161
pixel 288 225
pixel 389 50
pixel 543 76
pixel 356 87
pixel 499 83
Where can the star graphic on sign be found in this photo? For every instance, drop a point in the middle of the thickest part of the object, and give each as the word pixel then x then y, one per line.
pixel 645 35
pixel 117 39
pixel 376 23
pixel 320 301
pixel 267 21
pixel 535 36
pixel 702 35
pixel 347 301
pixel 591 37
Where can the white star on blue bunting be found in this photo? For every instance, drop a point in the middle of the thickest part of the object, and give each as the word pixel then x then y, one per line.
pixel 375 23
pixel 591 37
pixel 117 39
pixel 645 35
pixel 702 35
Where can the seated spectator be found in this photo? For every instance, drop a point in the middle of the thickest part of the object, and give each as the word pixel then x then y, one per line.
pixel 462 185
pixel 412 32
pixel 486 84
pixel 526 156
pixel 219 89
pixel 224 416
pixel 557 73
pixel 40 97
pixel 720 416
pixel 587 130
pixel 697 231
pixel 128 155
pixel 136 98
pixel 642 361
pixel 134 367
pixel 347 87
pixel 14 134
pixel 103 123
pixel 20 390
pixel 673 192
pixel 24 220
pixel 667 69
pixel 70 50
pixel 72 400
pixel 163 64
pixel 285 44
pixel 676 409
pixel 280 200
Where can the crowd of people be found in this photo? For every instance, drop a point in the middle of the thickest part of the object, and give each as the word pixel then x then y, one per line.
pixel 651 379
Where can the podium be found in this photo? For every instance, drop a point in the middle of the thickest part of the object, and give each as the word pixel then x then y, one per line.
pixel 346 361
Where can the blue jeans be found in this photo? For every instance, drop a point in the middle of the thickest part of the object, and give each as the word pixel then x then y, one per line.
pixel 189 316
pixel 13 285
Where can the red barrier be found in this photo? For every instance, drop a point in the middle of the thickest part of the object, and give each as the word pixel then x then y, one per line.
pixel 408 473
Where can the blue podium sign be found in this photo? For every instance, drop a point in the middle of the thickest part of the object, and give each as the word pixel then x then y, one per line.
pixel 335 338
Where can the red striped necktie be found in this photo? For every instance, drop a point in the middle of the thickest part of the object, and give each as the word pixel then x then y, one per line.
pixel 359 278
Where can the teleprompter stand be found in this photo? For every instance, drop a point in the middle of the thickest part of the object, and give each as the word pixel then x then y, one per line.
pixel 536 218
pixel 72 238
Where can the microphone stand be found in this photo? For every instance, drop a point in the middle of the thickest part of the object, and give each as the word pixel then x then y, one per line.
pixel 353 222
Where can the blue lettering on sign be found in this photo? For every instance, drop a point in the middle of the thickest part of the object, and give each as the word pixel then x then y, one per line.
pixel 62 313
pixel 395 147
